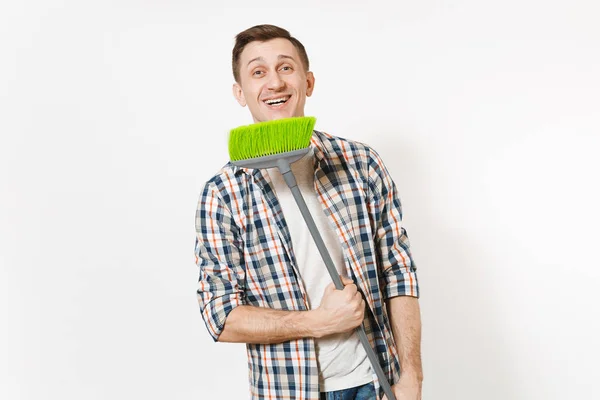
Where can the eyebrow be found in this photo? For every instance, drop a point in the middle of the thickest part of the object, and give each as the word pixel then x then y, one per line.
pixel 279 57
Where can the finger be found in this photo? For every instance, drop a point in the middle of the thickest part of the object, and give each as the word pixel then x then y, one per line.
pixel 330 287
pixel 352 289
pixel 346 280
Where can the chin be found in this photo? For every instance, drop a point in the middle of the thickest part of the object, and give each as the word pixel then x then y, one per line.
pixel 281 115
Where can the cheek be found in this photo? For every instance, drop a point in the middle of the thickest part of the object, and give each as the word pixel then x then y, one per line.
pixel 252 93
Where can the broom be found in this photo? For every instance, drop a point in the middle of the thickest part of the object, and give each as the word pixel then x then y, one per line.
pixel 279 143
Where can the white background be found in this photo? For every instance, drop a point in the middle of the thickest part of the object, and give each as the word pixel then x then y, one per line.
pixel 114 113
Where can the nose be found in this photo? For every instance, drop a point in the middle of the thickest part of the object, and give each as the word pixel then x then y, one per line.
pixel 275 82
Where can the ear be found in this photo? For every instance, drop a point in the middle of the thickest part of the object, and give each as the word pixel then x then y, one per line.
pixel 238 93
pixel 310 83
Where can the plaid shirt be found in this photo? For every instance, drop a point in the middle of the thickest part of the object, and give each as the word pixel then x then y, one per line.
pixel 245 256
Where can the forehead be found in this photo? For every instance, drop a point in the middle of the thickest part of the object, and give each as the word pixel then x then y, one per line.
pixel 268 50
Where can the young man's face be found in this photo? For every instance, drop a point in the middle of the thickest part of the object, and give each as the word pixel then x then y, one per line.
pixel 272 70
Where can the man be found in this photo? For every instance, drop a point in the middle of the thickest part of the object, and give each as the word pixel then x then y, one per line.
pixel 262 281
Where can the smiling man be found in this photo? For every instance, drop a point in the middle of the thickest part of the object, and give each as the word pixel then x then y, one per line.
pixel 272 79
pixel 262 281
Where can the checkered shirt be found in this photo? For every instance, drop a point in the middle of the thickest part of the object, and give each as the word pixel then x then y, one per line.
pixel 245 256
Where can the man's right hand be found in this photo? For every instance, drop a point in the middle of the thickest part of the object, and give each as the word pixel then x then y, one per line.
pixel 341 310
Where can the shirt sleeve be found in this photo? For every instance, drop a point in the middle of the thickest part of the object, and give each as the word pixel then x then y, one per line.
pixel 396 266
pixel 220 260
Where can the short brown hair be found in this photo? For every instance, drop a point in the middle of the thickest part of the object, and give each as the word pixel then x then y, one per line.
pixel 262 33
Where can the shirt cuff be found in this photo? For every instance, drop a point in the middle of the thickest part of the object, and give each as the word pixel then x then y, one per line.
pixel 401 283
pixel 216 311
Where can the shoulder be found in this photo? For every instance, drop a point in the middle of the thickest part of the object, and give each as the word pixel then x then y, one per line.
pixel 217 195
pixel 352 152
pixel 221 184
pixel 339 146
pixel 356 156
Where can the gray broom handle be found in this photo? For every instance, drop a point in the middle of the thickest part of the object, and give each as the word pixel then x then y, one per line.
pixel 288 175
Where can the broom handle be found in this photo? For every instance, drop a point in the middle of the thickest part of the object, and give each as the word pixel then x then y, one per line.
pixel 290 180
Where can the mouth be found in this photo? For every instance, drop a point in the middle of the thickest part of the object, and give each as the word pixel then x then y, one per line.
pixel 277 103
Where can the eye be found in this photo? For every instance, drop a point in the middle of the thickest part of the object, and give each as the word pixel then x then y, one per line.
pixel 287 66
pixel 256 72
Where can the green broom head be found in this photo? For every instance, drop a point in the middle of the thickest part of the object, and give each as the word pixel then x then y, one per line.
pixel 270 137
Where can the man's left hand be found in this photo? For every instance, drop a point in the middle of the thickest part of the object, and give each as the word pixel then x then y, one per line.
pixel 407 388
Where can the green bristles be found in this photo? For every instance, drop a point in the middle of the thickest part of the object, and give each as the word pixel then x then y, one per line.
pixel 270 137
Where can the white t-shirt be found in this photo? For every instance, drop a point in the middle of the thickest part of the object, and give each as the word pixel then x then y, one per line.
pixel 343 362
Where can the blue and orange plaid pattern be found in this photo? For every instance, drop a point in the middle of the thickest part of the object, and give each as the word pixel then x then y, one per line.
pixel 245 256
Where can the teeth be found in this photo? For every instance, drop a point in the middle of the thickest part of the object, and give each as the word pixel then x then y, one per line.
pixel 275 100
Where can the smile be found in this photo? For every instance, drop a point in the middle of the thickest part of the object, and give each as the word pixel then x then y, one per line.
pixel 277 103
